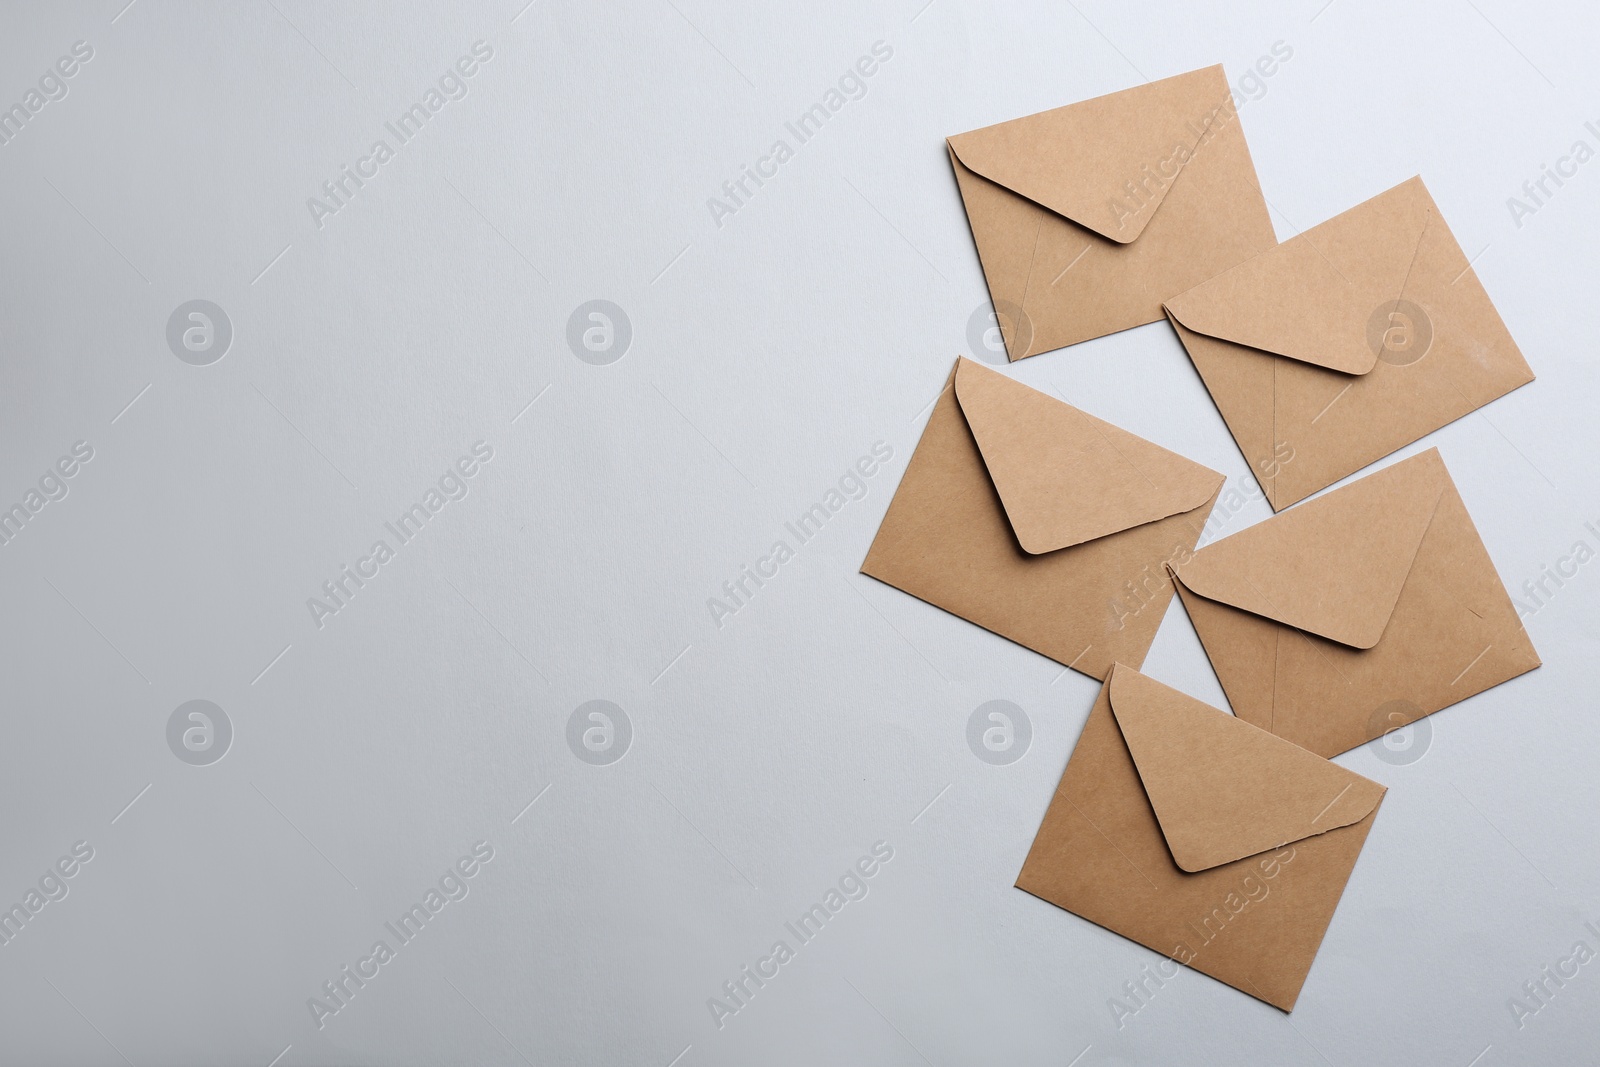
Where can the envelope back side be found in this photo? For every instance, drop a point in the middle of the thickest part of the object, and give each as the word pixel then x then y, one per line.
pixel 1255 923
pixel 1087 217
pixel 1446 628
pixel 947 539
pixel 1348 342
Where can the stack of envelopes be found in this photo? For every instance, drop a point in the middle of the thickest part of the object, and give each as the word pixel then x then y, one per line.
pixel 1329 625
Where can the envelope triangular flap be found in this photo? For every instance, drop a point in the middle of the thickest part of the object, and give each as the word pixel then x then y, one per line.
pixel 1333 566
pixel 1079 160
pixel 1065 477
pixel 1221 788
pixel 1312 297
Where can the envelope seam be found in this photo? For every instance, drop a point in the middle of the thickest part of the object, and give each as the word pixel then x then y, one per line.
pixel 1273 444
pixel 1277 651
pixel 1027 285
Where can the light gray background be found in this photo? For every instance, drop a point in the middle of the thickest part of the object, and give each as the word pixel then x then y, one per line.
pixel 768 355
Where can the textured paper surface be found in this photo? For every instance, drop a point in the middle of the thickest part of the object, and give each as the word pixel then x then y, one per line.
pixel 1345 343
pixel 1122 506
pixel 1380 607
pixel 1102 852
pixel 1088 216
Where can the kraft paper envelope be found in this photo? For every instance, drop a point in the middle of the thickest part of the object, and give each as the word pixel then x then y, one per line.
pixel 1197 835
pixel 1040 522
pixel 1087 216
pixel 1356 613
pixel 1354 339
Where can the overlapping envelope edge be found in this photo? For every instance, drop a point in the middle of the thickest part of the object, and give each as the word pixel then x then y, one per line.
pixel 1189 484
pixel 1112 675
pixel 1405 525
pixel 1427 466
pixel 1233 415
pixel 1287 1004
pixel 1012 319
pixel 1234 676
pixel 1206 311
pixel 1154 608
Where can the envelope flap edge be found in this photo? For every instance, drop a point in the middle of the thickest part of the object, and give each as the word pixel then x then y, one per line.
pixel 1323 289
pixel 1366 533
pixel 1065 477
pixel 1189 756
pixel 1079 160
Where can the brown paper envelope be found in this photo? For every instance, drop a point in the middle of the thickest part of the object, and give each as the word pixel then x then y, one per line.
pixel 1348 342
pixel 1087 216
pixel 1040 522
pixel 1199 836
pixel 1356 613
